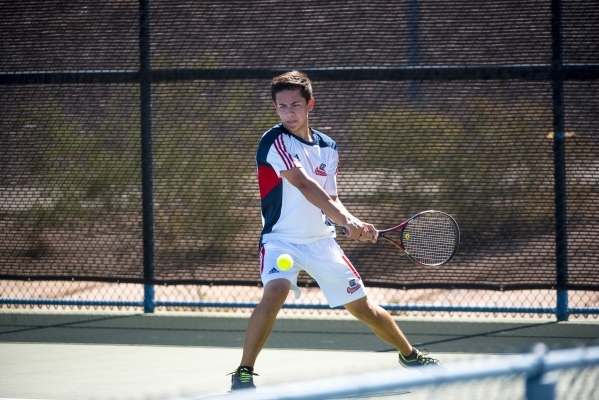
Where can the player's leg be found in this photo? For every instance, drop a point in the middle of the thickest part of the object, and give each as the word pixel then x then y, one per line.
pixel 381 323
pixel 263 319
pixel 259 328
pixel 277 284
pixel 342 285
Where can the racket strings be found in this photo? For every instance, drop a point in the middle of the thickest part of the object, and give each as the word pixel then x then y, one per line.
pixel 431 239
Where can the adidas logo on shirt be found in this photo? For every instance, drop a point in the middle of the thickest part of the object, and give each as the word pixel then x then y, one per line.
pixel 273 271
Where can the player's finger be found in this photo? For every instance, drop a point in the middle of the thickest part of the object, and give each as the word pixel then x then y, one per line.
pixel 351 232
pixel 357 234
pixel 364 235
pixel 372 236
pixel 370 233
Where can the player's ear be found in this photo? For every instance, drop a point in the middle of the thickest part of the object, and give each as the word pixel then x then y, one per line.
pixel 311 103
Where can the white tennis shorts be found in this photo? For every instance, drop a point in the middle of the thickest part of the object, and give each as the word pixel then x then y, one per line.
pixel 323 260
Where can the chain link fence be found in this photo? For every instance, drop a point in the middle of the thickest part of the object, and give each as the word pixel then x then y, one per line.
pixel 128 131
pixel 535 304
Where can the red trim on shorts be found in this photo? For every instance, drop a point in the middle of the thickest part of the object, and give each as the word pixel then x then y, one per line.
pixel 349 264
pixel 262 252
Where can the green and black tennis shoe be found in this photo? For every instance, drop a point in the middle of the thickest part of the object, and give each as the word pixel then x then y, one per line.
pixel 418 359
pixel 243 378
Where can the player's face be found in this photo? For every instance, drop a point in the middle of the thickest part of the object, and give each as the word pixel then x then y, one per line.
pixel 293 111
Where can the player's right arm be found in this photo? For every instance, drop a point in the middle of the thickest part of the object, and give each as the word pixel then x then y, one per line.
pixel 317 196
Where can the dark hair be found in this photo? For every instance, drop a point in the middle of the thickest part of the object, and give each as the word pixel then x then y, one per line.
pixel 292 80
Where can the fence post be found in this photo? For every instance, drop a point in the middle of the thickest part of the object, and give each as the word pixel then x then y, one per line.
pixel 414 46
pixel 145 81
pixel 559 161
pixel 541 385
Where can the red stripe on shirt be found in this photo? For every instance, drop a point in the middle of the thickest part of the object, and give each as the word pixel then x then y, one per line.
pixel 282 150
pixel 267 180
pixel 349 264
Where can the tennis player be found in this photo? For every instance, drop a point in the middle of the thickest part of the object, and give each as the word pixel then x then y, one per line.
pixel 297 177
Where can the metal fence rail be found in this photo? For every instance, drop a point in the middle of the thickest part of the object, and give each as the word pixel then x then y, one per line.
pixel 538 368
pixel 145 303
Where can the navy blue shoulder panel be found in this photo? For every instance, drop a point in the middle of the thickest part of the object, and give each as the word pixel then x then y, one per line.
pixel 266 142
pixel 323 140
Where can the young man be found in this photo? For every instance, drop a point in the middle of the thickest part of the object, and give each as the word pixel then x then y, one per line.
pixel 297 176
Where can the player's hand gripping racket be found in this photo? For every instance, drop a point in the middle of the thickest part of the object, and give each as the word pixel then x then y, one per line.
pixel 428 238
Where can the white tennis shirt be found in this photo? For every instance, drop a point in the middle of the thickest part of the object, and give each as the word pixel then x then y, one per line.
pixel 286 214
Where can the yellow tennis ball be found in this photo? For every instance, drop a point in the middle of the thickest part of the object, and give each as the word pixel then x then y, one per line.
pixel 284 262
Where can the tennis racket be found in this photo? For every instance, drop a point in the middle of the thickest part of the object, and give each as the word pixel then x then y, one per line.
pixel 428 238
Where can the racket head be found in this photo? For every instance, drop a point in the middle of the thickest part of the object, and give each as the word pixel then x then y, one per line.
pixel 430 238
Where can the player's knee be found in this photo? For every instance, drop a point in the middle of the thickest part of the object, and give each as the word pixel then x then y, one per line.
pixel 363 309
pixel 276 291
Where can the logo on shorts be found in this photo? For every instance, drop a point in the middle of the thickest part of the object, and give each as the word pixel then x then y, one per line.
pixel 273 271
pixel 320 170
pixel 353 286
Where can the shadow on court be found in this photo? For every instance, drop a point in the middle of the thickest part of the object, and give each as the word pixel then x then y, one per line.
pixel 203 330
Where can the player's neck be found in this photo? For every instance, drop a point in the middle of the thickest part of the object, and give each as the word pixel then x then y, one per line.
pixel 307 136
pixel 303 133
